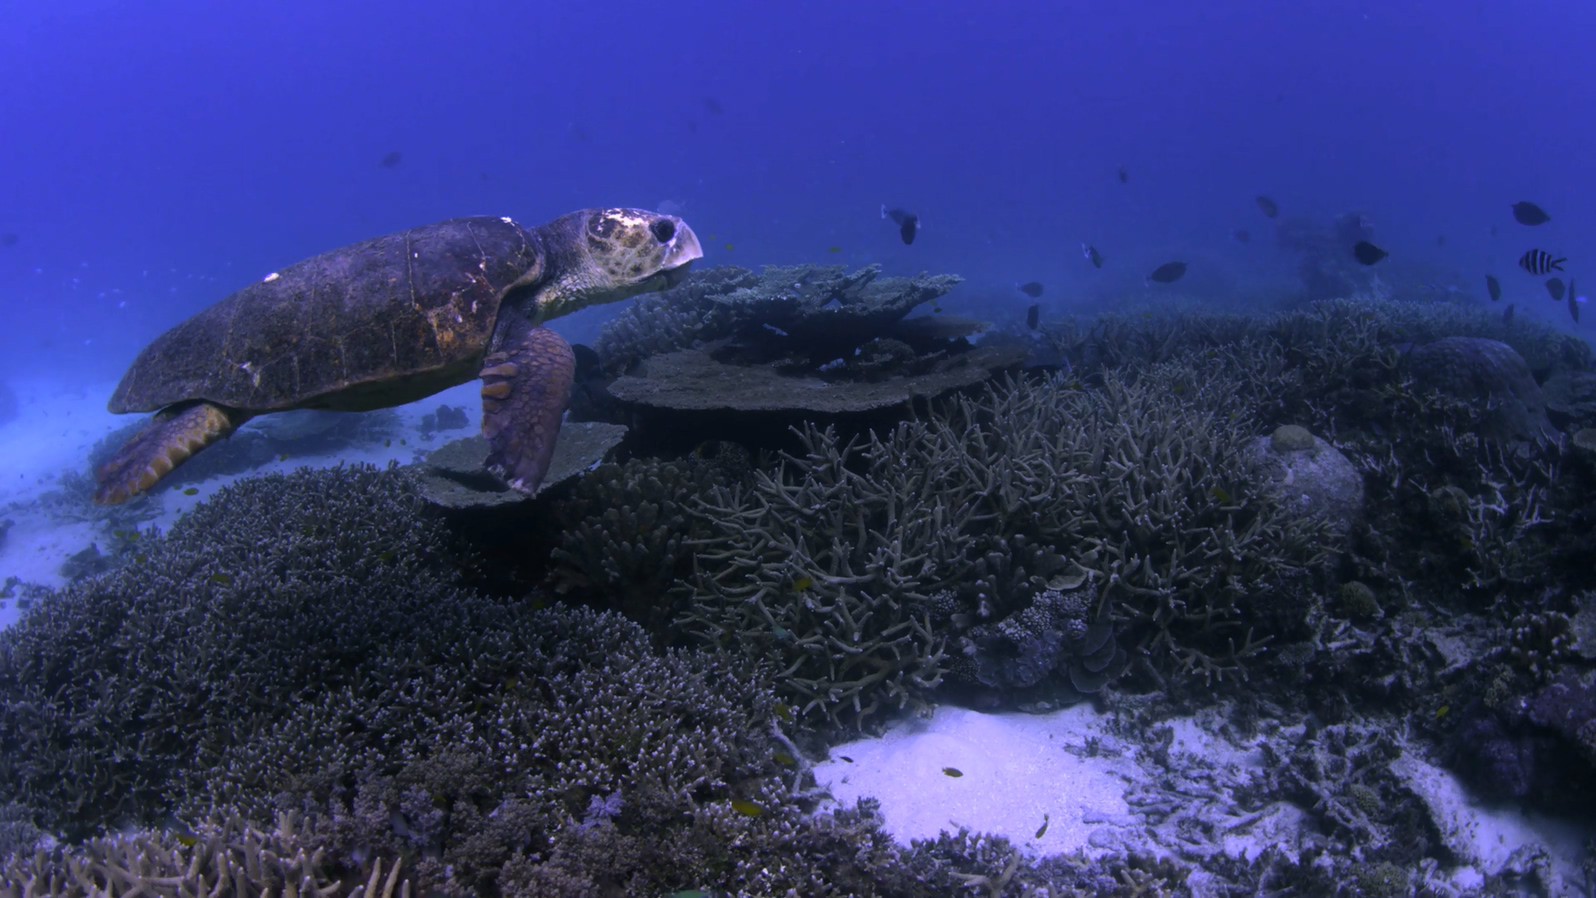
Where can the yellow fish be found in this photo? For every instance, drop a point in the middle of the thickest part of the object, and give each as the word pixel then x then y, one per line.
pixel 746 807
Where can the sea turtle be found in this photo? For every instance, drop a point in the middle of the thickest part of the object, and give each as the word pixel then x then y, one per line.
pixel 393 320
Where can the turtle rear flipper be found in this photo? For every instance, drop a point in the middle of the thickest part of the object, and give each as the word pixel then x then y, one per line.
pixel 171 437
pixel 525 388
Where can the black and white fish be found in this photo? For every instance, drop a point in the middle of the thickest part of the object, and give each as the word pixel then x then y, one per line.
pixel 1554 287
pixel 1368 253
pixel 908 223
pixel 1539 261
pixel 1033 289
pixel 1168 273
pixel 1493 287
pixel 1092 255
pixel 1527 213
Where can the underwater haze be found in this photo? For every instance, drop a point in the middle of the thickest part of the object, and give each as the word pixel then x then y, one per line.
pixel 160 155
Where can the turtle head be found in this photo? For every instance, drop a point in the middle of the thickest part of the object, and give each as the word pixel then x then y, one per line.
pixel 603 255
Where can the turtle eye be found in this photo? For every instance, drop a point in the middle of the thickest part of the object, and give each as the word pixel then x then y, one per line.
pixel 663 229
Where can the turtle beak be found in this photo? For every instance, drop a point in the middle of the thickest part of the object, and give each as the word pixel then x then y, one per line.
pixel 681 251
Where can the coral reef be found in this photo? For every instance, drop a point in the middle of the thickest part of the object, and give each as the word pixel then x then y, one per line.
pixel 454 476
pixel 787 345
pixel 275 587
pixel 1308 476
pixel 692 380
pixel 821 313
pixel 853 563
pixel 226 857
pixel 1488 372
pixel 625 533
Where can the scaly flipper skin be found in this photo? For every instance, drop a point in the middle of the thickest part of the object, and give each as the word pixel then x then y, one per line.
pixel 168 441
pixel 525 388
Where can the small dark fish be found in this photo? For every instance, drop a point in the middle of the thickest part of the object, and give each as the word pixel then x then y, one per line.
pixel 1527 213
pixel 1440 240
pixel 1494 231
pixel 1368 253
pixel 1042 830
pixel 1033 289
pixel 1573 301
pixel 1168 273
pixel 1240 235
pixel 1092 255
pixel 908 223
pixel 1539 261
pixel 9 239
pixel 953 771
pixel 1033 316
pixel 1493 287
pixel 713 105
pixel 1267 206
pixel 393 158
pixel 1124 175
pixel 1507 314
pixel 1554 286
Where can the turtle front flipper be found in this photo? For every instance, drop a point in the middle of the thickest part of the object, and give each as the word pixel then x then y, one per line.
pixel 171 437
pixel 526 385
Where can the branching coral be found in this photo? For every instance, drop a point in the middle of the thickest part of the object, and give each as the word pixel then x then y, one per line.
pixel 276 586
pixel 854 562
pixel 225 857
pixel 624 531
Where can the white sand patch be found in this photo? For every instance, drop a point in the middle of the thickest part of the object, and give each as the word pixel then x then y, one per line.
pixel 1104 793
pixel 1019 772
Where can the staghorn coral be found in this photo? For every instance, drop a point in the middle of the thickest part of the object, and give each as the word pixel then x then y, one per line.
pixel 853 563
pixel 226 858
pixel 624 532
pixel 809 563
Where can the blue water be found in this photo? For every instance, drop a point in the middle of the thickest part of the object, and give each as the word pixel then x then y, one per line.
pixel 158 155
